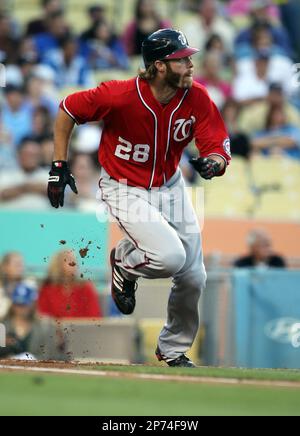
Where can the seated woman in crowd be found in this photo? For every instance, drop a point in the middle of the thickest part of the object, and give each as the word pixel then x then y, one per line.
pixel 279 137
pixel 63 294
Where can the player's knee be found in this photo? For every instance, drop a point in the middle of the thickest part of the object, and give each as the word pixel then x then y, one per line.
pixel 172 262
pixel 201 278
pixel 197 283
pixel 194 282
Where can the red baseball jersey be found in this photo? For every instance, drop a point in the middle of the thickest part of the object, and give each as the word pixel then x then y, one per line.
pixel 143 140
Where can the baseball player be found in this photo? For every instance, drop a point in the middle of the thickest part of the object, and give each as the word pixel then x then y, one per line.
pixel 148 121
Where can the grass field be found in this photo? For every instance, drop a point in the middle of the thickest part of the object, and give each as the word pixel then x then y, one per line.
pixel 110 395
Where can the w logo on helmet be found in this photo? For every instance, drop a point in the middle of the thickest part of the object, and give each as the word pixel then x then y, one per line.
pixel 182 39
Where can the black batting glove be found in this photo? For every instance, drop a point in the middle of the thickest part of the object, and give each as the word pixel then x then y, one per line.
pixel 206 167
pixel 59 177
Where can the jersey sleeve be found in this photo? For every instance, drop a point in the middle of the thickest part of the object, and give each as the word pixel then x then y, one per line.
pixel 91 105
pixel 211 136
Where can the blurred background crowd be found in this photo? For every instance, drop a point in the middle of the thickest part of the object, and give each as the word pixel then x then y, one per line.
pixel 250 64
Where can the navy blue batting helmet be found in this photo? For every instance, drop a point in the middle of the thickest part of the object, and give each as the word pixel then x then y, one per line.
pixel 166 44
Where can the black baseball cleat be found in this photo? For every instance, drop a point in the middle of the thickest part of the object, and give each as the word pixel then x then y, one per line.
pixel 181 361
pixel 122 290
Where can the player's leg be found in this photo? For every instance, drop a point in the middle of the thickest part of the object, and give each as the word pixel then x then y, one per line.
pixel 151 247
pixel 182 325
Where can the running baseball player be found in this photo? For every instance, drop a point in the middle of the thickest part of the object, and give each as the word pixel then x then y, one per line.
pixel 148 121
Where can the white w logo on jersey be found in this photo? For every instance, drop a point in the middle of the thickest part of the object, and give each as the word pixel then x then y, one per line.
pixel 182 128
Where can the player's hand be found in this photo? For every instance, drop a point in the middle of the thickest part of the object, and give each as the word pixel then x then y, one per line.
pixel 59 177
pixel 206 167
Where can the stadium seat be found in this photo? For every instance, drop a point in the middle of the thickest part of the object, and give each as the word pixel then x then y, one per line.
pixel 238 203
pixel 275 171
pixel 284 205
pixel 276 182
pixel 230 195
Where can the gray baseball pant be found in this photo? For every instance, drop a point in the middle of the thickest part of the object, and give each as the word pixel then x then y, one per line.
pixel 162 239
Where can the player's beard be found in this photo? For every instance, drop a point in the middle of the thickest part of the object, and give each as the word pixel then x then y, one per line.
pixel 175 80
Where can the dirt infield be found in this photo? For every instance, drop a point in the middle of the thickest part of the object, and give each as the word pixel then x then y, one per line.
pixel 87 369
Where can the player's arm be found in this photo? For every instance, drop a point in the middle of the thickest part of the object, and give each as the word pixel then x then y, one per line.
pixel 60 175
pixel 211 140
pixel 81 107
pixel 63 129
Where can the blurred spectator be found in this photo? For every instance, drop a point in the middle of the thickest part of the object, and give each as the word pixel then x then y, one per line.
pixel 8 158
pixel 71 69
pixel 47 148
pixel 40 89
pixel 9 43
pixel 25 187
pixel 42 122
pixel 239 141
pixel 215 44
pixel 255 76
pixel 57 29
pixel 105 50
pixel 12 273
pixel 63 295
pixel 253 117
pixel 27 49
pixel 16 113
pixel 97 14
pixel 86 176
pixel 260 252
pixel 260 16
pixel 146 21
pixel 255 9
pixel 13 75
pixel 39 25
pixel 26 336
pixel 25 65
pixel 261 38
pixel 218 89
pixel 290 17
pixel 279 137
pixel 5 304
pixel 207 23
